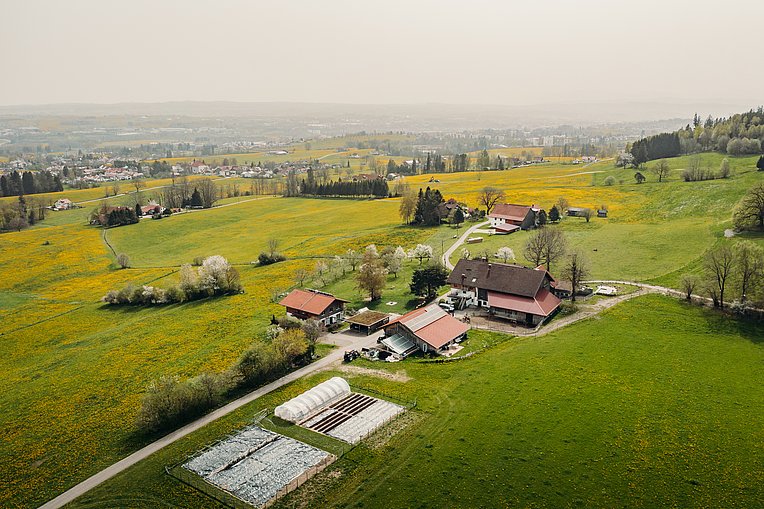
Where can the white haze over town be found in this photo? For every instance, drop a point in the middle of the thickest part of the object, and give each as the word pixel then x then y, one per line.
pixel 687 53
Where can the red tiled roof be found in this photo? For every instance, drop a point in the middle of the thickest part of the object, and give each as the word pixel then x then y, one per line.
pixel 543 304
pixel 313 303
pixel 510 211
pixel 432 325
pixel 442 331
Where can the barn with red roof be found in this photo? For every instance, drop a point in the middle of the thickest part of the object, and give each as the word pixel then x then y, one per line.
pixel 519 294
pixel 312 304
pixel 509 218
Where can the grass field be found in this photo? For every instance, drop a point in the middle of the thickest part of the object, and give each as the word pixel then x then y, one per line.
pixel 78 370
pixel 654 404
pixel 652 230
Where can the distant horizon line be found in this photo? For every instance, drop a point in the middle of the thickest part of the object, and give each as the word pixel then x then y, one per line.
pixel 657 101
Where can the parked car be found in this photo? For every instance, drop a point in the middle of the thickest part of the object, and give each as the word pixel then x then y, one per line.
pixel 447 306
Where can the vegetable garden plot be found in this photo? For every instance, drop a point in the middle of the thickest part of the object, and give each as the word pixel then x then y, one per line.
pixel 256 465
pixel 353 418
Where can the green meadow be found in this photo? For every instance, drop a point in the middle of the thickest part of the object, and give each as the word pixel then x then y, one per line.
pixel 651 404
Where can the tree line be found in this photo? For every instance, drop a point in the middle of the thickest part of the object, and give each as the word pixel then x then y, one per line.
pixel 18 184
pixel 739 134
pixel 730 268
pixel 425 208
pixel 22 213
pixel 374 188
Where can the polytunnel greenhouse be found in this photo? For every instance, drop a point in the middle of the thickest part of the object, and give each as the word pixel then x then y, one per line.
pixel 307 403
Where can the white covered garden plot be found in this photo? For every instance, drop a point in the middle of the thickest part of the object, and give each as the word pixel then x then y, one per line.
pixel 330 408
pixel 256 464
pixel 353 418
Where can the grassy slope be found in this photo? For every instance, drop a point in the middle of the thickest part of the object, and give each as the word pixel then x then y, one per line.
pixel 79 369
pixel 653 404
pixel 655 231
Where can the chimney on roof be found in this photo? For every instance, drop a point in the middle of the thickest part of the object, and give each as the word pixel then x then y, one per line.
pixel 464 276
pixel 489 271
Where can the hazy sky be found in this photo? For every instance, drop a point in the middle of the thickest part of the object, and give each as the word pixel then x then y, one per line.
pixel 489 52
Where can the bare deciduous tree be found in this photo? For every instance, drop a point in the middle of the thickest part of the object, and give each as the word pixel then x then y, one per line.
pixel 489 197
pixel 208 192
pixel 555 246
pixel 123 260
pixel 661 169
pixel 408 207
pixel 689 284
pixel 300 275
pixel 534 248
pixel 719 264
pixel 576 270
pixel 273 245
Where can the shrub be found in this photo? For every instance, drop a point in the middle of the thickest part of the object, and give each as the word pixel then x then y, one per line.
pixel 288 322
pixel 697 174
pixel 609 180
pixel 169 402
pixel 123 260
pixel 215 277
pixel 268 259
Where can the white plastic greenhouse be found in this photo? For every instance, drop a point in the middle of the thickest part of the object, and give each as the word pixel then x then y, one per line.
pixel 307 403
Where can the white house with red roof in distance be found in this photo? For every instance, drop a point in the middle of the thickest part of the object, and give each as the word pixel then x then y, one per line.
pixel 429 329
pixel 509 218
pixel 199 166
pixel 312 304
pixel 63 204
pixel 520 294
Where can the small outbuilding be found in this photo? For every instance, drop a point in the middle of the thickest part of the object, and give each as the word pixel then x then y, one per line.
pixel 368 321
pixel 577 211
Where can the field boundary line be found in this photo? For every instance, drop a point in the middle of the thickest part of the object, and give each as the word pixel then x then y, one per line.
pixel 41 321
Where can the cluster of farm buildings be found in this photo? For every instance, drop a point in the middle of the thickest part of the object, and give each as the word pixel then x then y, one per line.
pixel 519 295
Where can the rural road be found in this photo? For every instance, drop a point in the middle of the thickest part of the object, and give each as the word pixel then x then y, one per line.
pixel 357 342
pixel 459 242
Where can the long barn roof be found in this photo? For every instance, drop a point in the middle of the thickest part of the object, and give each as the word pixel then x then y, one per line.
pixel 498 277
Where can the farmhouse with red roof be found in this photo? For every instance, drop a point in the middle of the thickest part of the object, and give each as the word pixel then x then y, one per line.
pixel 312 304
pixel 509 218
pixel 513 292
pixel 429 329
